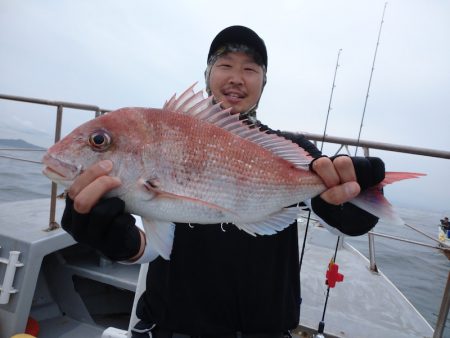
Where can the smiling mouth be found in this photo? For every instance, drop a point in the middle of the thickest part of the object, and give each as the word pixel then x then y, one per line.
pixel 234 98
pixel 234 95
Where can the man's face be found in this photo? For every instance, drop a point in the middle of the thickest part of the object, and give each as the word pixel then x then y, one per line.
pixel 236 81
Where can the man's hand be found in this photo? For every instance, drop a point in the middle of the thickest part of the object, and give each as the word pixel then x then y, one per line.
pixel 345 177
pixel 339 177
pixel 101 223
pixel 91 185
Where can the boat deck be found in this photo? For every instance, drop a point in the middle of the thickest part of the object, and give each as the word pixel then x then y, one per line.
pixel 366 304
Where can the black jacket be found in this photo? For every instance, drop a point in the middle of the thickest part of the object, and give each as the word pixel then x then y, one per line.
pixel 225 280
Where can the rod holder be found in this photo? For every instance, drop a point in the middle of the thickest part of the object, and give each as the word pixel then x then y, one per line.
pixel 12 263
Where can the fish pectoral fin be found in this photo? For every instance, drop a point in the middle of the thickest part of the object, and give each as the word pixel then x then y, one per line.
pixel 159 235
pixel 274 223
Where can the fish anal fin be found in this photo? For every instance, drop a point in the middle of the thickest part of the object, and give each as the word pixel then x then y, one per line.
pixel 276 222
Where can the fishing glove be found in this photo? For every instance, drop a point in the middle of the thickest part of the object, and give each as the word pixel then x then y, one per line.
pixel 369 171
pixel 347 217
pixel 106 228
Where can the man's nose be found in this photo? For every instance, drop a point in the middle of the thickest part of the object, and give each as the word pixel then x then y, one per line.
pixel 236 77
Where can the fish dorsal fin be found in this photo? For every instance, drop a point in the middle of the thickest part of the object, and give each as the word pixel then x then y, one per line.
pixel 185 101
pixel 194 104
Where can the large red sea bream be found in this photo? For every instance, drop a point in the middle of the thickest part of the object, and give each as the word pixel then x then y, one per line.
pixel 193 162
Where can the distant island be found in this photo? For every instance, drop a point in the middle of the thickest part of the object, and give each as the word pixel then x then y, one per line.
pixel 17 143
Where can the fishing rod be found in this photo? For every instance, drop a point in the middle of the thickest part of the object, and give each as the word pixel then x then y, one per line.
pixel 332 273
pixel 370 78
pixel 321 327
pixel 332 277
pixel 331 98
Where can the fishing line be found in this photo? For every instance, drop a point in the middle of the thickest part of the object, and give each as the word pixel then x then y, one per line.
pixel 370 78
pixel 304 238
pixel 21 149
pixel 20 159
pixel 303 253
pixel 331 98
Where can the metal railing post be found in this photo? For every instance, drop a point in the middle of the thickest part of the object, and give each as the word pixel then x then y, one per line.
pixel 373 265
pixel 366 151
pixel 52 221
pixel 443 312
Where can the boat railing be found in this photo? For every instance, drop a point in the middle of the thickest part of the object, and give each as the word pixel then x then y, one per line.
pixel 60 105
pixel 367 145
pixel 344 144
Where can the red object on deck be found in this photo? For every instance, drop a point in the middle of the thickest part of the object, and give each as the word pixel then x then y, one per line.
pixel 32 327
pixel 333 276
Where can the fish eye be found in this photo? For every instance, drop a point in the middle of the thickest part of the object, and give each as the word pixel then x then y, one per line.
pixel 99 140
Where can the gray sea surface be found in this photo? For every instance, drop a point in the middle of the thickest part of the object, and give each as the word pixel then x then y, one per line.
pixel 419 272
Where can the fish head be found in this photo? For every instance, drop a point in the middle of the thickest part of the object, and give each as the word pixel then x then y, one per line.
pixel 116 136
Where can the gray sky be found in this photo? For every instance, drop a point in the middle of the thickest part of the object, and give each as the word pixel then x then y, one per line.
pixel 138 53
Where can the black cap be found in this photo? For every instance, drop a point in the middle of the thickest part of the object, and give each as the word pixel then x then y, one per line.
pixel 240 35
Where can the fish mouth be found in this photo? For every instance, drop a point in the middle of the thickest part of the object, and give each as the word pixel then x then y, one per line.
pixel 59 171
pixel 52 172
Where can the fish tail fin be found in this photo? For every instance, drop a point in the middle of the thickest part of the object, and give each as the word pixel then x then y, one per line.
pixel 392 177
pixel 372 199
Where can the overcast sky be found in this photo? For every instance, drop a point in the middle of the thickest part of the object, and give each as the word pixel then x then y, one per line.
pixel 138 53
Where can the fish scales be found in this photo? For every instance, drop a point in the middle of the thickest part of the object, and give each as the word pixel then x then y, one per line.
pixel 194 158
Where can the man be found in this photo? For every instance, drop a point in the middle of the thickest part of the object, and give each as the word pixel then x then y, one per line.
pixel 222 282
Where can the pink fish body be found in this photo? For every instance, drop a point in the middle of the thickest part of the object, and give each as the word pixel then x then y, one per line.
pixel 193 162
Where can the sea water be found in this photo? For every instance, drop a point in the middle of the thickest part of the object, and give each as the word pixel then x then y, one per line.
pixel 417 271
